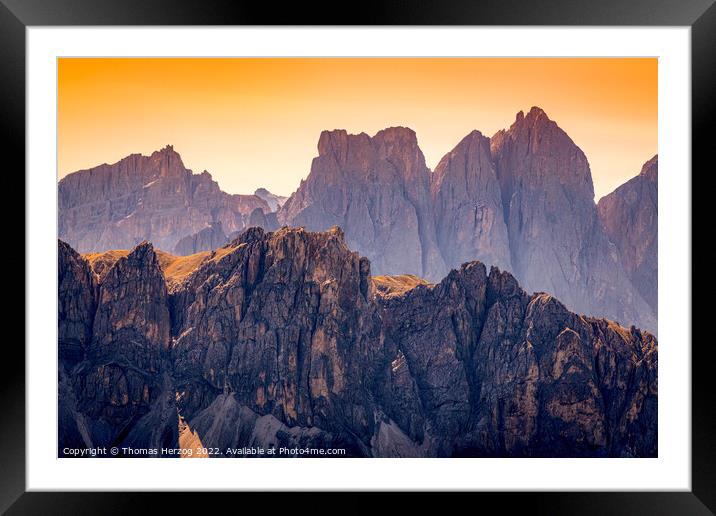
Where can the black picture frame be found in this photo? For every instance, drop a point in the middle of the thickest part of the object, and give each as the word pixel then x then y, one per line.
pixel 16 15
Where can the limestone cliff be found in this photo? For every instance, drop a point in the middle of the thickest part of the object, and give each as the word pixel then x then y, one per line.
pixel 467 202
pixel 557 242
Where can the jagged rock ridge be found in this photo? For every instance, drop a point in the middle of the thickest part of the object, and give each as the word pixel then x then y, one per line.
pixel 282 338
pixel 119 389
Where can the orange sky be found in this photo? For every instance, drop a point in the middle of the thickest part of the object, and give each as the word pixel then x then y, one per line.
pixel 255 122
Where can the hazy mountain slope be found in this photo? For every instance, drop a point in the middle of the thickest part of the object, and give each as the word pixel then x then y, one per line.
pixel 469 219
pixel 206 239
pixel 630 217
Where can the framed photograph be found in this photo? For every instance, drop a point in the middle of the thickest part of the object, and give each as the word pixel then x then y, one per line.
pixel 448 249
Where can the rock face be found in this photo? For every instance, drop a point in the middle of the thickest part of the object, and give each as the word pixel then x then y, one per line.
pixel 286 324
pixel 520 375
pixel 377 189
pixel 132 315
pixel 468 205
pixel 145 198
pixel 630 217
pixel 121 383
pixel 77 303
pixel 557 243
pixel 207 239
pixel 274 201
pixel 283 339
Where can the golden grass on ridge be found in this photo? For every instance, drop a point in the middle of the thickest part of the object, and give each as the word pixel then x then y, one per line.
pixel 397 285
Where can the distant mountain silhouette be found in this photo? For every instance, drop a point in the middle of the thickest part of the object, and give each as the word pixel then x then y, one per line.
pixel 151 198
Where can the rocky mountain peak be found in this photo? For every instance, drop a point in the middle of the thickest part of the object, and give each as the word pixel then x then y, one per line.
pixel 169 162
pixel 120 378
pixel 548 201
pixel 650 169
pixel 134 282
pixel 146 197
pixel 399 147
pixel 338 233
pixel 252 234
pixel 392 142
pixel 470 144
pixel 536 112
pixel 141 258
pixel 402 137
pixel 475 135
pixel 537 147
pixel 275 283
pixel 473 142
pixel 537 121
pixel 467 205
pixel 533 115
pixel 263 220
pixel 77 289
pixel 143 252
pixel 274 201
pixel 338 143
pixel 360 183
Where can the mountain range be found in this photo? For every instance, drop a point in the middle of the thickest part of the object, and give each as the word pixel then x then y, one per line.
pixel 286 339
pixel 383 308
pixel 146 197
pixel 522 200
